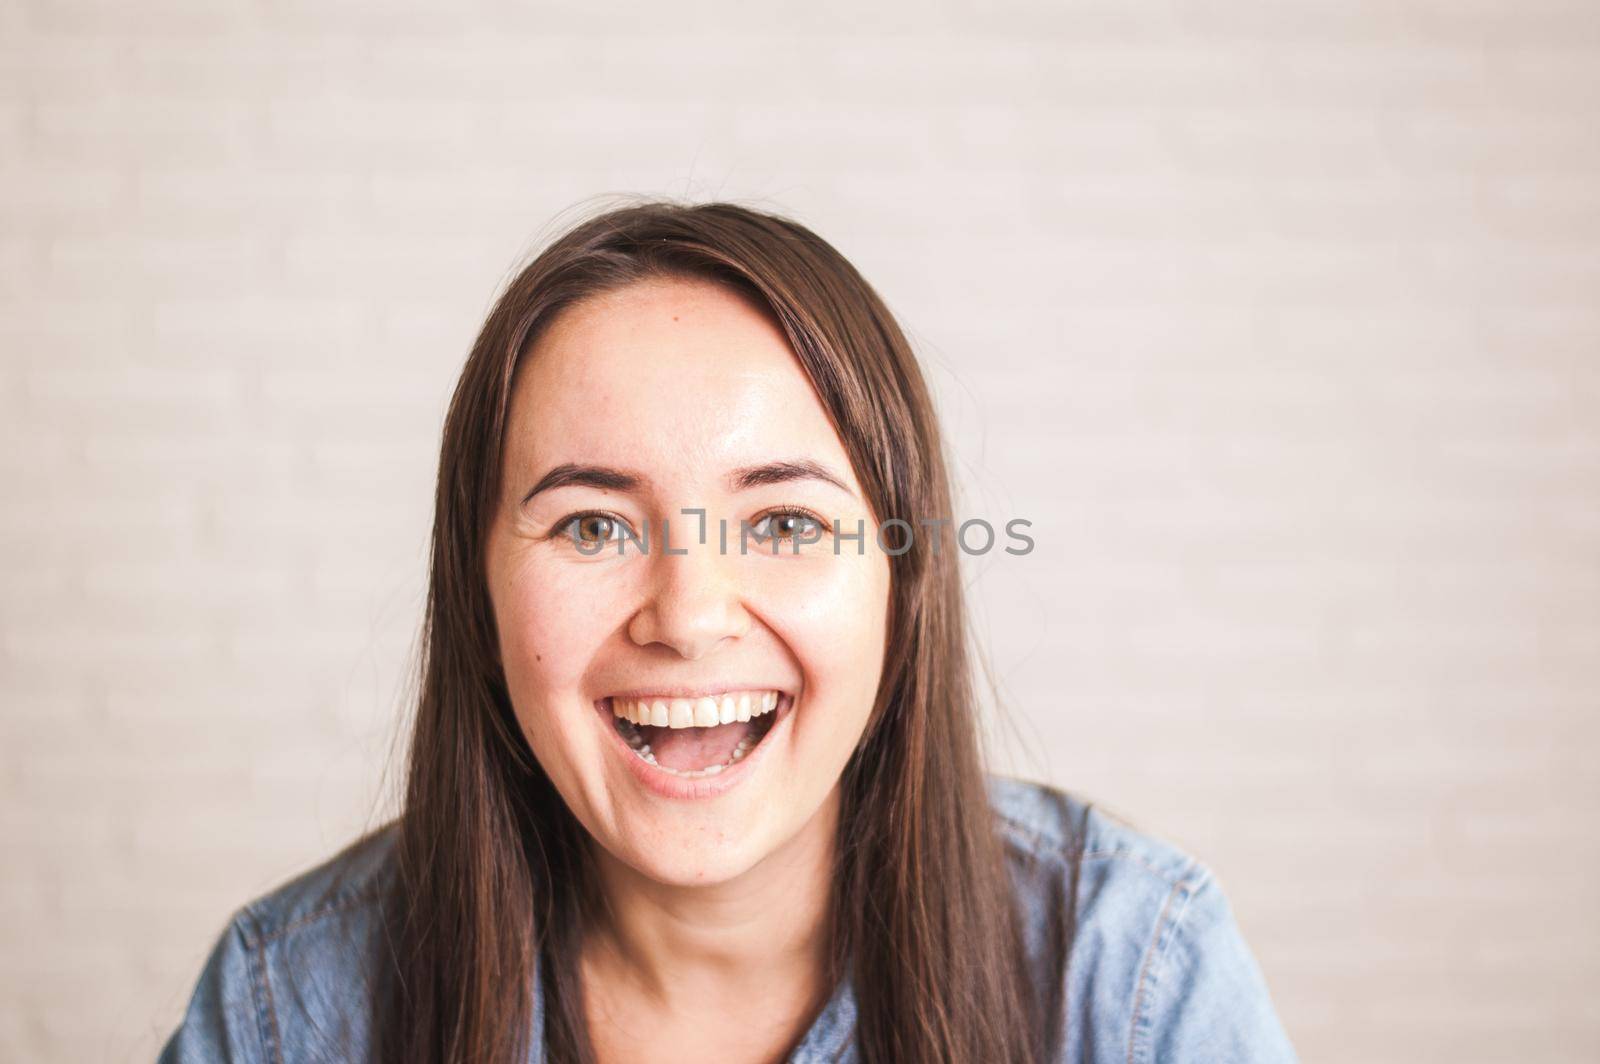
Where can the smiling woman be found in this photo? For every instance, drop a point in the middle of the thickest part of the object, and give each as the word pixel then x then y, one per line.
pixel 670 798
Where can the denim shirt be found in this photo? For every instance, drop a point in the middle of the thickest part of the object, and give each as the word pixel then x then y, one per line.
pixel 1156 970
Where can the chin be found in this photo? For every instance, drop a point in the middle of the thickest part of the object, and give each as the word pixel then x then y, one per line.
pixel 696 859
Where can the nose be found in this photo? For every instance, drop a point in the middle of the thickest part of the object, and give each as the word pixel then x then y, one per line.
pixel 694 602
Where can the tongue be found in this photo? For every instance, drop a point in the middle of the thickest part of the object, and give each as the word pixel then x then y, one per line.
pixel 687 749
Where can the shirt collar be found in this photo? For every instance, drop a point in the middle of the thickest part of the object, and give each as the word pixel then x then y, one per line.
pixel 827 1040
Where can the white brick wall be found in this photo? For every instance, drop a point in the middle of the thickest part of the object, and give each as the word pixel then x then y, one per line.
pixel 1279 321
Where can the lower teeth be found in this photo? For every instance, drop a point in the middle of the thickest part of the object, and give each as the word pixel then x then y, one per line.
pixel 738 755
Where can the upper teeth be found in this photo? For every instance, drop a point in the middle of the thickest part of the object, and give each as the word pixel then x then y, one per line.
pixel 695 712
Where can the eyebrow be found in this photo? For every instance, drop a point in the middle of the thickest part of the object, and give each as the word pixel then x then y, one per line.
pixel 786 470
pixel 568 475
pixel 606 478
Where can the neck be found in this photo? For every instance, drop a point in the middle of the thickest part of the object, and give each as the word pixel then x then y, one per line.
pixel 765 931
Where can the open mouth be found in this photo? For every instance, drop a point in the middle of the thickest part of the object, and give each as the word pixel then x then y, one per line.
pixel 696 737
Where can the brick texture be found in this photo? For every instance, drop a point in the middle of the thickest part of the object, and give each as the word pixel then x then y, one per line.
pixel 1279 322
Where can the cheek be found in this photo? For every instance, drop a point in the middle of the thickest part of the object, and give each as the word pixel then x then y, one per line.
pixel 832 614
pixel 550 626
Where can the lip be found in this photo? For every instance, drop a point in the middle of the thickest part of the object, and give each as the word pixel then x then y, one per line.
pixel 682 691
pixel 665 784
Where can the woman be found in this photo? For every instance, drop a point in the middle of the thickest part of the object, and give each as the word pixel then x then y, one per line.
pixel 695 772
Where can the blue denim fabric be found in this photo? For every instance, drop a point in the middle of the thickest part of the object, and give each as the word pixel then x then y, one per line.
pixel 1157 971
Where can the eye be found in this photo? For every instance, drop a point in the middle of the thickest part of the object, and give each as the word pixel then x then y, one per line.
pixel 590 526
pixel 787 524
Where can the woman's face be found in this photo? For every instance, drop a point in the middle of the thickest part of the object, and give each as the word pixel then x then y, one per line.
pixel 640 678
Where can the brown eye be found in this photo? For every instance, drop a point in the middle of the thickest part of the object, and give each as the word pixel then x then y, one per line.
pixel 785 524
pixel 591 528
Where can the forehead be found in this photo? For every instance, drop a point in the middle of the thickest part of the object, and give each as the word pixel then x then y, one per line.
pixel 667 377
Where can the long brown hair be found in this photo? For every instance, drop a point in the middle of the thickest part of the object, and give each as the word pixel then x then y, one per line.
pixel 493 870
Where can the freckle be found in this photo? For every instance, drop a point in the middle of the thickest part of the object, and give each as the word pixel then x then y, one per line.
pixel 674 317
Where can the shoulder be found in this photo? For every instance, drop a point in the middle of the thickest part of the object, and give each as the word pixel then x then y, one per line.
pixel 294 973
pixel 1132 936
pixel 1071 860
pixel 1047 825
pixel 353 879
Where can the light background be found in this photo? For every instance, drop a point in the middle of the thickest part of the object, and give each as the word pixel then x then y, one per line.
pixel 1279 321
